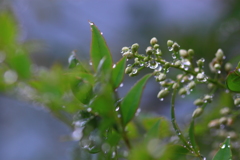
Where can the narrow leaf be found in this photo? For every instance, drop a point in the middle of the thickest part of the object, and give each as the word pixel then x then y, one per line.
pixel 118 72
pixel 192 137
pixel 131 101
pixel 224 153
pixel 233 81
pixel 99 49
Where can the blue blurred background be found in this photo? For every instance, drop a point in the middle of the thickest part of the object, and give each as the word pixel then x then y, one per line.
pixel 54 28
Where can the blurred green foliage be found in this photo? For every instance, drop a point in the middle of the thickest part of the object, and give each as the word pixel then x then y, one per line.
pixel 85 97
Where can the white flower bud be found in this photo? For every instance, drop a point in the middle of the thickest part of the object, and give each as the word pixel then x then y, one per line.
pixel 198 102
pixel 219 55
pixel 153 41
pixel 191 85
pixel 161 77
pixel 183 53
pixel 163 93
pixel 225 111
pixel 237 101
pixel 197 112
pixel 169 43
pixel 177 63
pixel 182 91
pixel 228 67
pixel 200 76
pixel 217 66
pixel 191 52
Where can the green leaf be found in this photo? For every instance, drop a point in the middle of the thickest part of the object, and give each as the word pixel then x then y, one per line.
pixel 192 137
pixel 233 81
pixel 99 49
pixel 224 153
pixel 8 30
pixel 118 72
pixel 131 101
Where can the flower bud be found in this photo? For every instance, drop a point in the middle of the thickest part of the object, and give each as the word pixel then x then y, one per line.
pixel 225 111
pixel 208 98
pixel 136 61
pixel 169 43
pixel 217 66
pixel 200 62
pixel 210 85
pixel 125 49
pixel 163 93
pixel 175 86
pixel 183 53
pixel 182 91
pixel 191 52
pixel 214 123
pixel 167 65
pixel 135 47
pixel 237 101
pixel 228 67
pixel 198 102
pixel 200 76
pixel 219 55
pixel 191 85
pixel 197 112
pixel 175 47
pixel 149 50
pixel 223 120
pixel 229 121
pixel 164 83
pixel 146 59
pixel 177 63
pixel 128 54
pixel 161 77
pixel 156 46
pixel 153 41
pixel 128 70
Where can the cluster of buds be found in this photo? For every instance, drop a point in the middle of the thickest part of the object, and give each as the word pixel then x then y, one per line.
pixel 182 59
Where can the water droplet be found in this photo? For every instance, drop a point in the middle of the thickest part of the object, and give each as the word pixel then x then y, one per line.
pixel 174 56
pixel 190 77
pixel 223 146
pixel 117 109
pixel 101 33
pixel 63 106
pixel 114 66
pixel 218 72
pixel 113 154
pixel 170 49
pixel 10 77
pixel 154 66
pixel 119 115
pixel 121 85
pixel 91 23
pixel 141 63
pixel 89 109
pixel 161 99
pixel 125 153
pixel 77 134
pixel 138 111
pixel 146 64
pixel 90 63
pixel 134 71
pixel 106 147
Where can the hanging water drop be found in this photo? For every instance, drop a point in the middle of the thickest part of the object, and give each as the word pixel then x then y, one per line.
pixel 121 85
pixel 114 66
pixel 174 56
pixel 117 109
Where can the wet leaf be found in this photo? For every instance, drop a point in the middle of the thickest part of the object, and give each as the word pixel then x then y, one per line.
pixel 131 101
pixel 224 153
pixel 192 137
pixel 118 72
pixel 99 49
pixel 233 81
